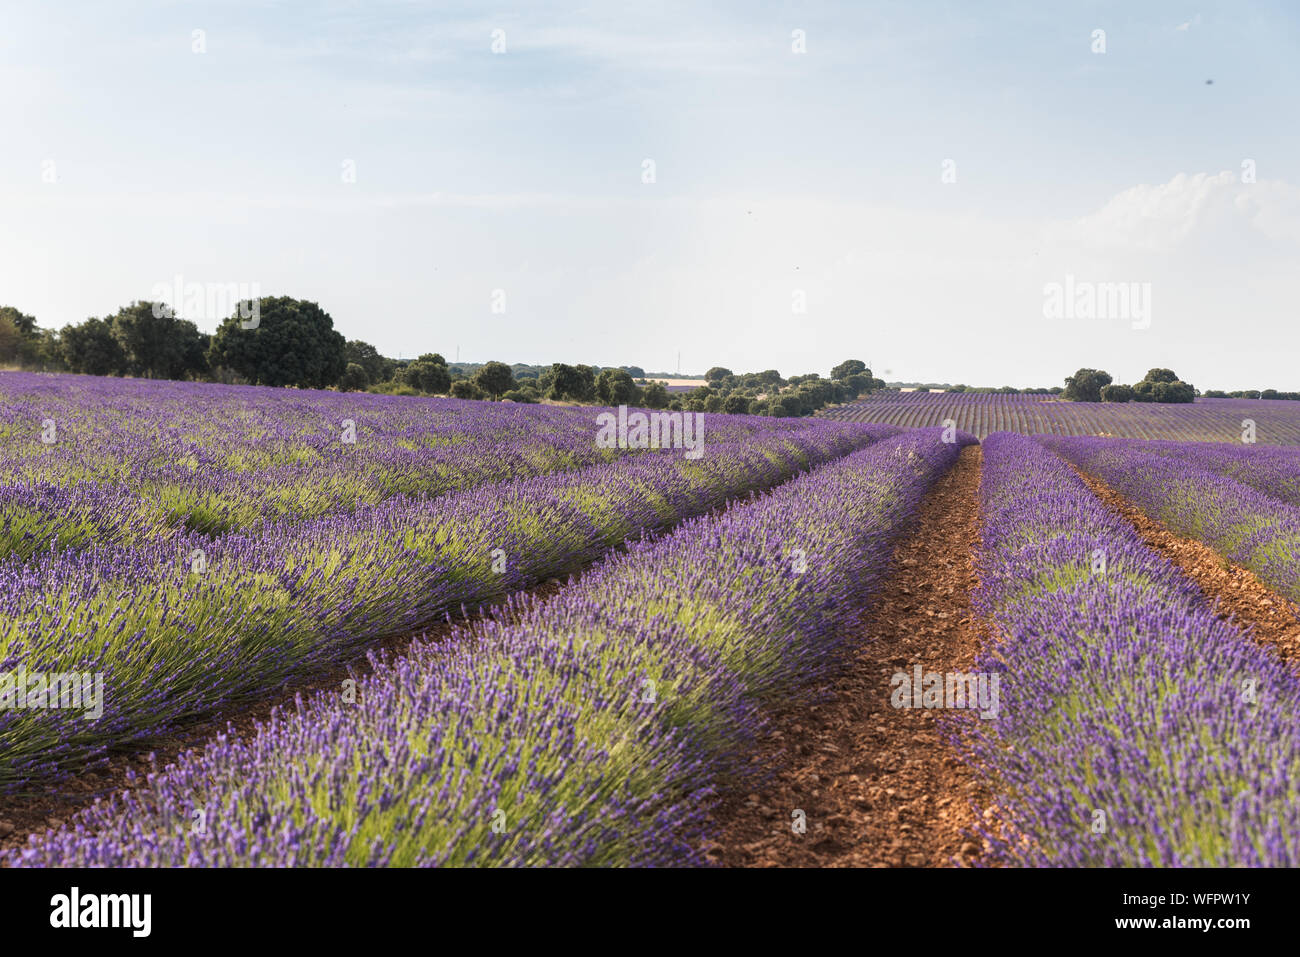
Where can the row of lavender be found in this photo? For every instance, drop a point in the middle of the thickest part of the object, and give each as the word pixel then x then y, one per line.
pixel 181 626
pixel 1272 469
pixel 587 729
pixel 1196 492
pixel 89 461
pixel 1136 728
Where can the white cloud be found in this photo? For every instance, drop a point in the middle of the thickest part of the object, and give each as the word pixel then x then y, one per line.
pixel 1194 22
pixel 1165 216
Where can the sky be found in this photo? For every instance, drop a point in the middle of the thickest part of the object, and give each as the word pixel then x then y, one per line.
pixel 751 185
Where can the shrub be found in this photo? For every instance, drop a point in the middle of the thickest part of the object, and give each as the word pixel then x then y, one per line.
pixel 354 378
pixel 1117 393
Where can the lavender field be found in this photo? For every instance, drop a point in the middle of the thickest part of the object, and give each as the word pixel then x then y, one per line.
pixel 445 436
pixel 1277 421
pixel 443 632
pixel 1141 729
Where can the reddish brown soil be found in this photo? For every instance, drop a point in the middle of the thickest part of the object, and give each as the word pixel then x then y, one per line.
pixel 1238 595
pixel 877 784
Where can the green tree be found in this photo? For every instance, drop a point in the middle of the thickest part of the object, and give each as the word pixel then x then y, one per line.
pixel 428 373
pixel 790 404
pixel 11 342
pixel 378 368
pixel 494 378
pixel 195 355
pixel 1117 393
pixel 354 378
pixel 92 348
pixel 700 393
pixel 571 383
pixel 588 374
pixel 816 393
pixel 1175 392
pixel 465 389
pixel 654 396
pixel 616 387
pixel 294 343
pixel 1085 385
pixel 736 404
pixel 850 367
pixel 25 324
pixel 43 351
pixel 858 383
pixel 1163 385
pixel 156 343
pixel 717 374
pixel 21 342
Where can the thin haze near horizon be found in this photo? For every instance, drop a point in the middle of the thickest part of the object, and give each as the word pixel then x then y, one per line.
pixel 896 182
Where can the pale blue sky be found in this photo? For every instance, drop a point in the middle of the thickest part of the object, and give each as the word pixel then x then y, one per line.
pixel 777 174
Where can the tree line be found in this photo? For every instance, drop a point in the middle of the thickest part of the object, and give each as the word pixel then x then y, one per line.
pixel 1159 385
pixel 752 393
pixel 292 342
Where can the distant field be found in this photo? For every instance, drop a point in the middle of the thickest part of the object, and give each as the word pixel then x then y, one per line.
pixel 1277 421
pixel 679 385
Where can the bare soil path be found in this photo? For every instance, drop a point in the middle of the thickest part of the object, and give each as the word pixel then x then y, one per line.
pixel 1236 592
pixel 878 785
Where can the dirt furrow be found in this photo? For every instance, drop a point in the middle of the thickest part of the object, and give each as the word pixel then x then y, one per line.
pixel 877 785
pixel 1236 592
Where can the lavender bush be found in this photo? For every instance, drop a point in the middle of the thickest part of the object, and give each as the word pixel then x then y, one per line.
pixel 1251 527
pixel 1272 469
pixel 174 642
pixel 588 729
pixel 1136 728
